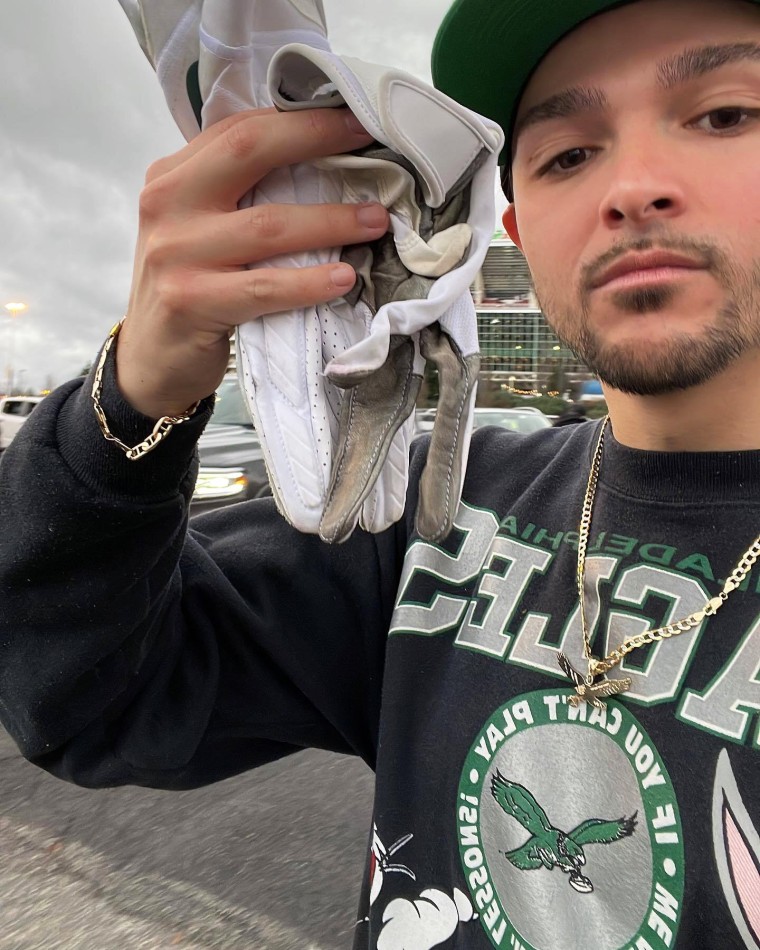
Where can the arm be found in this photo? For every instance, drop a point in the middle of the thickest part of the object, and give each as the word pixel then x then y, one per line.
pixel 132 650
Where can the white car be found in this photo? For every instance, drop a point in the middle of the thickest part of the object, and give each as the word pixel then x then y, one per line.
pixel 14 411
pixel 523 419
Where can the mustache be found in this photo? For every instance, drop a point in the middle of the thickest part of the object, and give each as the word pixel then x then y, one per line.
pixel 704 254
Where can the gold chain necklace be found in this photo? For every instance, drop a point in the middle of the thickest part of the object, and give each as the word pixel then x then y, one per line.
pixel 587 690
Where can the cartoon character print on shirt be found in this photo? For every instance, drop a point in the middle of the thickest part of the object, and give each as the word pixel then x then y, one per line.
pixel 426 921
pixel 423 923
pixel 592 838
pixel 380 863
pixel 737 853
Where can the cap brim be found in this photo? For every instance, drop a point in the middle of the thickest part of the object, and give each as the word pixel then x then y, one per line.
pixel 486 50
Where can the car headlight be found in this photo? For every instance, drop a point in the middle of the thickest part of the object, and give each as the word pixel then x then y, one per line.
pixel 220 483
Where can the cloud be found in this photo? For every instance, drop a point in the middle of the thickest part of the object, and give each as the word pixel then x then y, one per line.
pixel 372 31
pixel 82 118
pixel 424 923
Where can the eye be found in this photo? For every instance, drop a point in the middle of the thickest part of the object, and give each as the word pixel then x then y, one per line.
pixel 725 119
pixel 566 161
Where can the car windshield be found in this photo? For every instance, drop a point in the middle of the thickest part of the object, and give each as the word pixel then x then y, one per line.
pixel 513 419
pixel 230 408
pixel 18 407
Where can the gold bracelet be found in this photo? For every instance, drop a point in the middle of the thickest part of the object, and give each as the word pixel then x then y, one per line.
pixel 161 429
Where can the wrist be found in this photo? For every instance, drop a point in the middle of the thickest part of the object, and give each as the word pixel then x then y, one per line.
pixel 153 407
pixel 163 425
pixel 103 467
pixel 156 395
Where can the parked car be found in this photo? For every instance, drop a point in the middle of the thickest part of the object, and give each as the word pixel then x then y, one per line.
pixel 231 460
pixel 526 419
pixel 232 463
pixel 14 411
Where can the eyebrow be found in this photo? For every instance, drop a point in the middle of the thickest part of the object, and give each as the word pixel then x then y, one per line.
pixel 693 63
pixel 671 72
pixel 562 105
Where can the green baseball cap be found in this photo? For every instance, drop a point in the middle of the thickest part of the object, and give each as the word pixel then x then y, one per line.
pixel 486 50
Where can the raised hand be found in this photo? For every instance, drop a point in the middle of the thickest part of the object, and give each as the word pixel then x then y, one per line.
pixel 191 287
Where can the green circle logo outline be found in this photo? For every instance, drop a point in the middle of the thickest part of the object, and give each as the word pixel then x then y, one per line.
pixel 659 801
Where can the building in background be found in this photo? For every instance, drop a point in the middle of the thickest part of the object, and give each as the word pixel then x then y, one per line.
pixel 519 350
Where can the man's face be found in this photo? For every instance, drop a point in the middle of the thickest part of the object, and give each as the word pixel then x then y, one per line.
pixel 637 190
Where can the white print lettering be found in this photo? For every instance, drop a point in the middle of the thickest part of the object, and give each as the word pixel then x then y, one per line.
pixel 503 596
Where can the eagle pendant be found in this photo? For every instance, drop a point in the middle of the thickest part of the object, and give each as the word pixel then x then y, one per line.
pixel 587 691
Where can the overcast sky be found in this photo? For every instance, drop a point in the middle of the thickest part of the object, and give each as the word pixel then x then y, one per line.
pixel 82 118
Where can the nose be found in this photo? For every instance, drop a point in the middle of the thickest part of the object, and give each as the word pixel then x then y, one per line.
pixel 642 191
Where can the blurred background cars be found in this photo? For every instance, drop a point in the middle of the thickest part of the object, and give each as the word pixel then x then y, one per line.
pixel 232 463
pixel 231 460
pixel 526 419
pixel 14 411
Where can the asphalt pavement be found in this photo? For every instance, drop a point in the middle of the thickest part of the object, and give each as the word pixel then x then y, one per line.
pixel 269 860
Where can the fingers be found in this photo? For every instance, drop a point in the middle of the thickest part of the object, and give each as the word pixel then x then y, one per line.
pixel 229 164
pixel 179 355
pixel 190 285
pixel 164 165
pixel 265 231
pixel 236 297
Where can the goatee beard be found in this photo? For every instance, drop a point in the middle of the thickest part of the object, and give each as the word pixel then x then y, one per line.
pixel 682 361
pixel 645 300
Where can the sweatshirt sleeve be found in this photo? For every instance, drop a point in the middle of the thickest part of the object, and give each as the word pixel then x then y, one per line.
pixel 136 650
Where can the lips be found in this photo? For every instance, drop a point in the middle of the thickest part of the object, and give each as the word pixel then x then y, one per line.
pixel 645 263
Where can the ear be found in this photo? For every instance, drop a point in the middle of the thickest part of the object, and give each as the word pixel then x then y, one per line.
pixel 509 221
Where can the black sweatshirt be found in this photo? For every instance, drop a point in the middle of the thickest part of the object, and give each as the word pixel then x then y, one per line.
pixel 134 650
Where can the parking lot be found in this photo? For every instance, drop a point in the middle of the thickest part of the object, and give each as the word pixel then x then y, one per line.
pixel 270 860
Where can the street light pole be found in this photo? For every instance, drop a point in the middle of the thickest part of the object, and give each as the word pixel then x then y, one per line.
pixel 14 309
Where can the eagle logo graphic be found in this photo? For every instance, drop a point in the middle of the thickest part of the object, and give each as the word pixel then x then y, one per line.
pixel 548 847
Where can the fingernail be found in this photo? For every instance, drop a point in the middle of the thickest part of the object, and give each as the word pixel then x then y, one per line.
pixel 374 217
pixel 343 275
pixel 354 124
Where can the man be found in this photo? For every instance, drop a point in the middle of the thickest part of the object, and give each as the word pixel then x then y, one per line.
pixel 553 770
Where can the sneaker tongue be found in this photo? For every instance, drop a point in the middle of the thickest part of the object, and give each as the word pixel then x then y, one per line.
pixel 435 133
